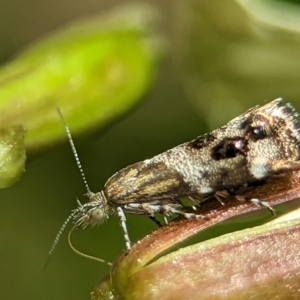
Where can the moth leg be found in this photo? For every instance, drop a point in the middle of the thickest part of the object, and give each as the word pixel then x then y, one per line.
pixel 166 220
pixel 185 214
pixel 258 202
pixel 285 166
pixel 194 203
pixel 168 210
pixel 221 194
pixel 148 209
pixel 156 221
pixel 122 218
pixel 263 204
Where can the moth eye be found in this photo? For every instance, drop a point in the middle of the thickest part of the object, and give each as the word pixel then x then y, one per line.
pixel 98 216
pixel 229 148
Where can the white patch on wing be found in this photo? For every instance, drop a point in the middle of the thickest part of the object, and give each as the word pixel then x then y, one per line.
pixel 205 190
pixel 147 161
pixel 259 168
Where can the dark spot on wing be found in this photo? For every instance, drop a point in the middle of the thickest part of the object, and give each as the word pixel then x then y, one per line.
pixel 202 141
pixel 229 148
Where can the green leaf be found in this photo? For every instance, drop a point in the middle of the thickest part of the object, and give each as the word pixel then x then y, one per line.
pixel 236 60
pixel 93 71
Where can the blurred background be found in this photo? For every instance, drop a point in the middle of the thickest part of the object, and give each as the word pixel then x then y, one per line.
pixel 187 67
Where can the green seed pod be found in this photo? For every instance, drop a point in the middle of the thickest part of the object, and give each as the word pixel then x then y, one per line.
pixel 94 71
pixel 12 155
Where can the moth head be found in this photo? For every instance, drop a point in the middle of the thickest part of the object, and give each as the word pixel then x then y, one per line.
pixel 94 212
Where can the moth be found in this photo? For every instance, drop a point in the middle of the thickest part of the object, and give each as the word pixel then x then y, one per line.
pixel 261 143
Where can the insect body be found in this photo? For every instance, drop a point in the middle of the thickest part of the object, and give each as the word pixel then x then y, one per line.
pixel 262 142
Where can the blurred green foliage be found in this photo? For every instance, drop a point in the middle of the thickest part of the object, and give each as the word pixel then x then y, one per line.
pixel 12 155
pixel 93 70
pixel 237 54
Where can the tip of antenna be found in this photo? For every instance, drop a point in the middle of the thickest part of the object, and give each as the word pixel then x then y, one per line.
pixel 57 238
pixel 83 254
pixel 46 262
pixel 59 112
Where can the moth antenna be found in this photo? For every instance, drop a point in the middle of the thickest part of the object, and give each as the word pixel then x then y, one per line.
pixel 58 236
pixel 74 151
pixel 83 254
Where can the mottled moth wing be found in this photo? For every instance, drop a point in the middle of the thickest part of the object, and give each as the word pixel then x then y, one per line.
pixel 248 149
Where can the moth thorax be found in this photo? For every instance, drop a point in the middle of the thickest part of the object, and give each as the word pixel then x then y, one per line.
pixel 97 197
